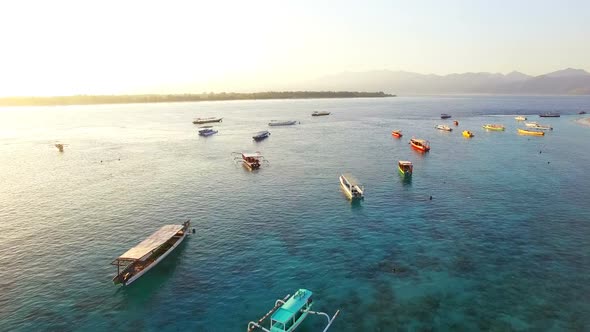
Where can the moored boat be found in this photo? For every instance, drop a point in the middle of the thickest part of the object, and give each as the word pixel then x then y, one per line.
pixel 289 312
pixel 405 167
pixel 531 124
pixel 351 188
pixel 582 112
pixel 542 127
pixel 397 133
pixel 281 123
pixel 206 120
pixel 421 145
pixel 467 133
pixel 445 116
pixel 320 113
pixel 251 161
pixel 207 132
pixel 138 260
pixel 456 123
pixel 443 127
pixel 493 127
pixel 520 118
pixel 259 136
pixel 530 132
pixel 550 115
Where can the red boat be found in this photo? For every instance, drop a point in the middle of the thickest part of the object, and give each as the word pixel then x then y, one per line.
pixel 421 145
pixel 456 123
pixel 396 133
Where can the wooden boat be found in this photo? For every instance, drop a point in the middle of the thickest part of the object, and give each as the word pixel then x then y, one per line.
pixel 207 132
pixel 520 118
pixel 322 113
pixel 420 144
pixel 456 123
pixel 251 161
pixel 445 116
pixel 467 133
pixel 405 167
pixel 60 146
pixel 397 133
pixel 443 127
pixel 289 312
pixel 530 132
pixel 352 190
pixel 259 136
pixel 282 123
pixel 206 120
pixel 531 124
pixel 493 127
pixel 550 115
pixel 138 260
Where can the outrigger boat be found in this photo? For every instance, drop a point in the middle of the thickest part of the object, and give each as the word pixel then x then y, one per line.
pixel 443 127
pixel 143 257
pixel 397 133
pixel 494 127
pixel 322 113
pixel 550 115
pixel 289 313
pixel 207 132
pixel 251 161
pixel 467 133
pixel 282 123
pixel 206 120
pixel 352 190
pixel 421 145
pixel 259 136
pixel 445 116
pixel 530 132
pixel 405 167
pixel 520 118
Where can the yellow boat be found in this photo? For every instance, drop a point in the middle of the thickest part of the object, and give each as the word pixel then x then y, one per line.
pixel 530 132
pixel 467 133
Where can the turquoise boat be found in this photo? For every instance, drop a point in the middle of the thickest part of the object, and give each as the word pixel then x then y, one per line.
pixel 289 313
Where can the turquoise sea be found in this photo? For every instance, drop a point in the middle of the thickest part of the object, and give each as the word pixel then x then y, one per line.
pixel 504 244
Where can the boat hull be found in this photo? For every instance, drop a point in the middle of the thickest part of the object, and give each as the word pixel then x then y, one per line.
pixel 401 171
pixel 396 134
pixel 492 128
pixel 530 132
pixel 467 134
pixel 284 123
pixel 202 121
pixel 419 148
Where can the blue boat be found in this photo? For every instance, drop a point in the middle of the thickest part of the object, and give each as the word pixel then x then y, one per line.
pixel 289 313
pixel 259 136
pixel 207 132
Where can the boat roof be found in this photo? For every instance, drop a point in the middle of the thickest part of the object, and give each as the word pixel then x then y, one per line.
pixel 152 242
pixel 251 155
pixel 419 140
pixel 292 306
pixel 405 162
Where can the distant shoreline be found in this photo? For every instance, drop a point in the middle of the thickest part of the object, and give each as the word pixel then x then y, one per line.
pixel 584 121
pixel 157 98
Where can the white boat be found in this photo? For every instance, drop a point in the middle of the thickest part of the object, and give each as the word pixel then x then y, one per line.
pixel 320 113
pixel 206 120
pixel 531 124
pixel 352 190
pixel 542 127
pixel 443 127
pixel 281 123
pixel 520 118
pixel 138 260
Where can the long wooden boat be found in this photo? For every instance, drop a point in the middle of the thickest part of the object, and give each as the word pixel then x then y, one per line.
pixel 352 189
pixel 282 123
pixel 259 136
pixel 405 167
pixel 206 120
pixel 421 145
pixel 494 127
pixel 289 312
pixel 443 127
pixel 530 132
pixel 320 113
pixel 397 133
pixel 138 260
pixel 467 133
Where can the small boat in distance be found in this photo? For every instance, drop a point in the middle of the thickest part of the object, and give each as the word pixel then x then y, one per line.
pixel 456 123
pixel 259 136
pixel 251 161
pixel 206 120
pixel 542 127
pixel 397 133
pixel 531 124
pixel 421 145
pixel 352 190
pixel 467 133
pixel 138 260
pixel 443 127
pixel 530 132
pixel 207 132
pixel 582 112
pixel 405 167
pixel 520 118
pixel 493 127
pixel 550 115
pixel 282 123
pixel 321 113
pixel 289 313
pixel 60 146
pixel 445 116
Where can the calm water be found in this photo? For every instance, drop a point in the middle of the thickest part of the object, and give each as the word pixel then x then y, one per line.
pixel 503 245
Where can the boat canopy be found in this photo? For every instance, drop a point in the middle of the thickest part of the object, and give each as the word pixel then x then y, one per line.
pixel 405 162
pixel 152 242
pixel 251 155
pixel 292 306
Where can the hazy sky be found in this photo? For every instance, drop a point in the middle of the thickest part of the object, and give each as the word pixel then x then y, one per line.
pixel 76 47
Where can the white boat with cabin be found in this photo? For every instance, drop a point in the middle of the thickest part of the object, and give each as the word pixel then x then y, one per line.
pixel 352 189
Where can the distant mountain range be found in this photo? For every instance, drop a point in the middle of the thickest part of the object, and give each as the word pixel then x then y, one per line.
pixel 568 81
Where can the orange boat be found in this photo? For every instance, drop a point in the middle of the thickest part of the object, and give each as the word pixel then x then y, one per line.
pixel 456 123
pixel 421 145
pixel 397 133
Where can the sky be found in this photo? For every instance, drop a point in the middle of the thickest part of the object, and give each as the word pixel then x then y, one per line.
pixel 63 47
